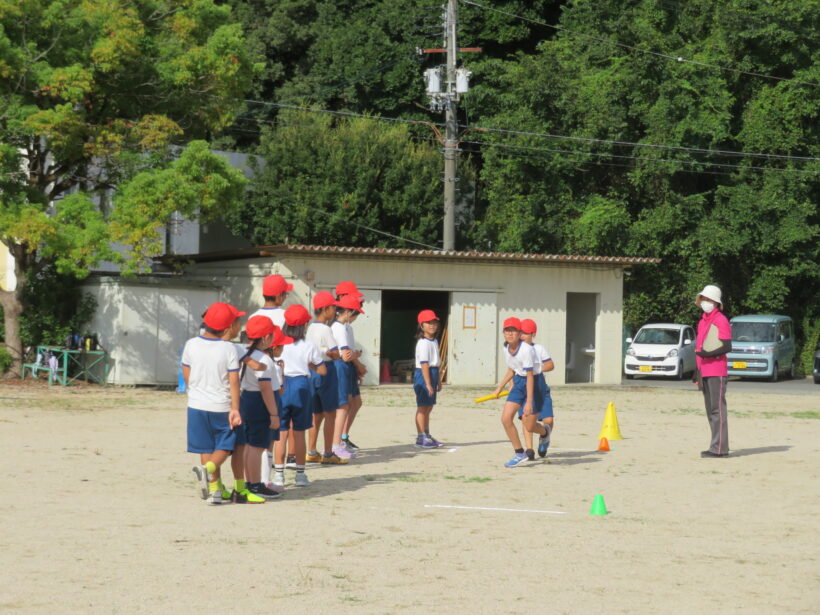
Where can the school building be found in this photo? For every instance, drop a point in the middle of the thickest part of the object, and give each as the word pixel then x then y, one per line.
pixel 577 302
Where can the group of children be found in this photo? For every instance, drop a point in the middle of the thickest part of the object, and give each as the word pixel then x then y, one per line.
pixel 292 374
pixel 297 373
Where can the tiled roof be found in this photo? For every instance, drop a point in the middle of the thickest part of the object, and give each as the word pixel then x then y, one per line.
pixel 441 255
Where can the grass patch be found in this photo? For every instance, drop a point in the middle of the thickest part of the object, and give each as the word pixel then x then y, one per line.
pixel 808 414
pixel 470 479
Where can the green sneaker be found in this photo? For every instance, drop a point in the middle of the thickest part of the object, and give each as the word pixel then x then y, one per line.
pixel 245 497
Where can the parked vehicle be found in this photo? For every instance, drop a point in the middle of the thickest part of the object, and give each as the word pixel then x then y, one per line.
pixel 661 349
pixel 762 347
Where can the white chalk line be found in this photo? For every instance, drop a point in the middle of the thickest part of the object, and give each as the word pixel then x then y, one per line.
pixel 517 510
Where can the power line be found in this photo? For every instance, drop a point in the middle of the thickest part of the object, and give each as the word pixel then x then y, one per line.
pixel 375 230
pixel 548 135
pixel 679 59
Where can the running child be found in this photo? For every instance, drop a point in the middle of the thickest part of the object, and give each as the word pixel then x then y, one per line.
pixel 258 407
pixel 326 388
pixel 295 413
pixel 348 308
pixel 426 381
pixel 525 395
pixel 357 369
pixel 543 365
pixel 211 371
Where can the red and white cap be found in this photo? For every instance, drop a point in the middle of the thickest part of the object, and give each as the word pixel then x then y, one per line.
pixel 297 315
pixel 275 285
pixel 349 302
pixel 220 316
pixel 528 326
pixel 323 299
pixel 347 288
pixel 427 316
pixel 279 338
pixel 259 327
pixel 512 323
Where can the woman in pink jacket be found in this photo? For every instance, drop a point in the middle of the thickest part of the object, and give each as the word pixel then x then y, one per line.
pixel 715 333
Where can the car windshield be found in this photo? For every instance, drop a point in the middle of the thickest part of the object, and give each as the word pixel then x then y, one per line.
pixel 657 336
pixel 753 331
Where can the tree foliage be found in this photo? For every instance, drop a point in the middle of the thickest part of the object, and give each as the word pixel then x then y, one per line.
pixel 94 93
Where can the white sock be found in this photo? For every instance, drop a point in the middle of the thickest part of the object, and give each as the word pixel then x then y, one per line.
pixel 265 467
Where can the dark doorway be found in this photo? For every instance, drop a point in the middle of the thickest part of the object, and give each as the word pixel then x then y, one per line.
pixel 400 309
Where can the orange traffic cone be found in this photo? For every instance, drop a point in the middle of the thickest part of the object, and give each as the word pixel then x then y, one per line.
pixel 603 445
pixel 384 377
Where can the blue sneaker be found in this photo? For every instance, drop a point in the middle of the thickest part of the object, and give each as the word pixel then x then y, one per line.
pixel 436 442
pixel 544 443
pixel 423 441
pixel 518 459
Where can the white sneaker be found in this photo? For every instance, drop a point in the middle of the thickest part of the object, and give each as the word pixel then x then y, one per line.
pixel 302 480
pixel 215 497
pixel 278 479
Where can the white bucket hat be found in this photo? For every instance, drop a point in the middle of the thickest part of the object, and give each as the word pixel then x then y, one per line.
pixel 710 291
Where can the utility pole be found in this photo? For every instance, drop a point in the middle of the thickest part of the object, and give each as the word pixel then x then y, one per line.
pixel 455 81
pixel 451 128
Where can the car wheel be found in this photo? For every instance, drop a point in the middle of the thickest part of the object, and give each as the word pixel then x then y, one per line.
pixel 680 375
pixel 775 373
pixel 630 376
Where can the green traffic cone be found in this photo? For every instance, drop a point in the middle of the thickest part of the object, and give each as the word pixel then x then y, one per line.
pixel 598 506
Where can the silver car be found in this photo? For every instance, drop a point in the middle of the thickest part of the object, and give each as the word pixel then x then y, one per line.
pixel 661 349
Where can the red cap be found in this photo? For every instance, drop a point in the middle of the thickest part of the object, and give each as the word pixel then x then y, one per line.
pixel 297 315
pixel 279 338
pixel 528 326
pixel 427 316
pixel 275 285
pixel 323 299
pixel 220 316
pixel 349 302
pixel 513 323
pixel 259 326
pixel 347 288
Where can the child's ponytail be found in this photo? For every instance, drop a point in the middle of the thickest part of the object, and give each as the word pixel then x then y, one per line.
pixel 251 348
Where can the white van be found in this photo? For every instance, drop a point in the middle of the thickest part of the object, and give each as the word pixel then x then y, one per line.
pixel 661 349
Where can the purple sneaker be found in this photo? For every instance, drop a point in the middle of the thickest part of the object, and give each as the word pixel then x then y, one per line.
pixel 425 442
pixel 436 442
pixel 340 450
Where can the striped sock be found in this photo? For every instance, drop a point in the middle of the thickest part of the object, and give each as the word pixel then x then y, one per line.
pixel 278 468
pixel 300 469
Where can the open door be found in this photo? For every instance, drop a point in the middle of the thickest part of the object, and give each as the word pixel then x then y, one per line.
pixel 472 338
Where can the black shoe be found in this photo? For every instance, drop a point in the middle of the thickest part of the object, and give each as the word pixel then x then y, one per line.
pixel 238 498
pixel 264 492
pixel 710 454
pixel 530 454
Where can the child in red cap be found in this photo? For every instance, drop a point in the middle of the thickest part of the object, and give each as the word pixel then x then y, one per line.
pixel 210 368
pixel 426 381
pixel 348 372
pixel 326 388
pixel 275 291
pixel 295 412
pixel 525 396
pixel 542 365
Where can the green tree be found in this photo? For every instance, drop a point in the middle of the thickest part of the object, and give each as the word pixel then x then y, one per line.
pixel 322 179
pixel 94 93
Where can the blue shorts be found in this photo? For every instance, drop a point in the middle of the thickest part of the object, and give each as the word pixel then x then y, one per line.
pixel 342 381
pixel 255 420
pixel 296 408
pixel 354 380
pixel 209 432
pixel 541 403
pixel 326 390
pixel 422 398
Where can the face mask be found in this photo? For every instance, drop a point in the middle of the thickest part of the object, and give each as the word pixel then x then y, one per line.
pixel 707 306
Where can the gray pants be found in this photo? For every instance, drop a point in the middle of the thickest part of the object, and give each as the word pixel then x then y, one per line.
pixel 714 394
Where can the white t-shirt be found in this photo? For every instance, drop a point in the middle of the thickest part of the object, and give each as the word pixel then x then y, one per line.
pixel 339 330
pixel 321 336
pixel 351 339
pixel 210 360
pixel 298 355
pixel 543 356
pixel 427 352
pixel 252 378
pixel 524 359
pixel 276 314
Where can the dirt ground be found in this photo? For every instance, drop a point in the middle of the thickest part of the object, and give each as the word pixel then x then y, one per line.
pixel 102 513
